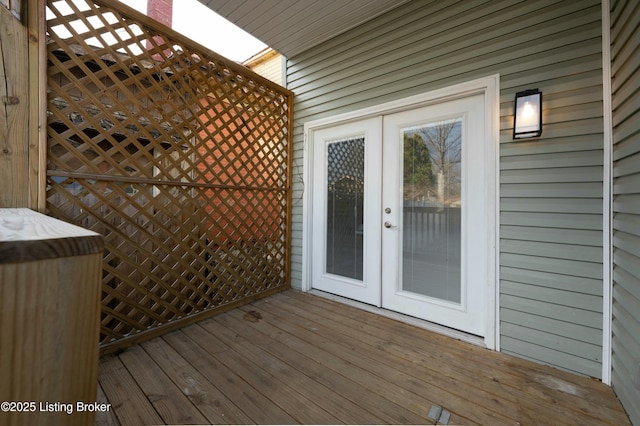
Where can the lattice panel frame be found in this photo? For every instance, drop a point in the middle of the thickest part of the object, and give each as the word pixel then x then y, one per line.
pixel 180 158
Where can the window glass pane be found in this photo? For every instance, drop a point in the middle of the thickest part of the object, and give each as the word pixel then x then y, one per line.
pixel 345 207
pixel 432 205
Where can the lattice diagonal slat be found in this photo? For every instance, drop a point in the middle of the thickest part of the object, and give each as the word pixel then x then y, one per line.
pixel 178 157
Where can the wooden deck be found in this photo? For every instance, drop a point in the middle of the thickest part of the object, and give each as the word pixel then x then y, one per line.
pixel 298 358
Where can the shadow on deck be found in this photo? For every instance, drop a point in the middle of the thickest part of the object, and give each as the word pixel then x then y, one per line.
pixel 299 358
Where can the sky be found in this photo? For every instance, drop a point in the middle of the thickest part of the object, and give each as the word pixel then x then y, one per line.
pixel 196 21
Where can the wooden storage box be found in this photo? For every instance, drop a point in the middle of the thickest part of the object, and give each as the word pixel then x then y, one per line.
pixel 50 278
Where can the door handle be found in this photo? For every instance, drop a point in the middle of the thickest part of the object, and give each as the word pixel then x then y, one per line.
pixel 388 225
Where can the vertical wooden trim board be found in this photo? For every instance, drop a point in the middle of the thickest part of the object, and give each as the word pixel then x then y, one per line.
pixel 15 112
pixel 607 187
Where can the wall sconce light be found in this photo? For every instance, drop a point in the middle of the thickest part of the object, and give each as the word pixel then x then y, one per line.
pixel 527 120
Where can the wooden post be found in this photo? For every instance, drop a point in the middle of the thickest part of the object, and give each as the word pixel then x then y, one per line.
pixel 21 106
pixel 50 288
pixel 14 112
pixel 37 105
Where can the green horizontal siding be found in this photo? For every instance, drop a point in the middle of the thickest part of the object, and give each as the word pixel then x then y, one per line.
pixel 543 324
pixel 550 187
pixel 587 353
pixel 544 205
pixel 560 175
pixel 554 265
pixel 552 160
pixel 559 221
pixel 555 281
pixel 567 298
pixel 554 250
pixel 535 350
pixel 573 237
pixel 546 189
pixel 625 68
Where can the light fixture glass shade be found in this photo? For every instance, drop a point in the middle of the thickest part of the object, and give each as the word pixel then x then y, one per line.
pixel 527 122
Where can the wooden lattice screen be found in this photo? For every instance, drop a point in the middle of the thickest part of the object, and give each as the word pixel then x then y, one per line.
pixel 177 156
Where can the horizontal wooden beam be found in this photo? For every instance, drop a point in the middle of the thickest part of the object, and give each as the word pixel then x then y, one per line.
pixel 147 181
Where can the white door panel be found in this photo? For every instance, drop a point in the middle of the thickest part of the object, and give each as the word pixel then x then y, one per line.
pixel 434 258
pixel 346 210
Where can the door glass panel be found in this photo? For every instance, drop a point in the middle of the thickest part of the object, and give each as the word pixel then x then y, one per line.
pixel 345 207
pixel 432 203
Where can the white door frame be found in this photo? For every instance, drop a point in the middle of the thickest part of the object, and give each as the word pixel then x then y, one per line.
pixel 490 88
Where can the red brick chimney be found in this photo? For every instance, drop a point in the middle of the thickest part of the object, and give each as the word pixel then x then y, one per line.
pixel 161 11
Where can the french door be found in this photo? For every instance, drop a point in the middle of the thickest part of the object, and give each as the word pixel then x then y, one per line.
pixel 399 212
pixel 346 210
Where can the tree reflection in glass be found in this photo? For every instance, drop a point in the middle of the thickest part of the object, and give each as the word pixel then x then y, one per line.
pixel 432 202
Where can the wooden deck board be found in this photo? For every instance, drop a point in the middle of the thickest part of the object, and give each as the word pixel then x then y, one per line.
pixel 303 385
pixel 170 401
pixel 431 387
pixel 128 401
pixel 105 418
pixel 478 372
pixel 256 406
pixel 299 406
pixel 523 378
pixel 213 404
pixel 298 358
pixel 328 370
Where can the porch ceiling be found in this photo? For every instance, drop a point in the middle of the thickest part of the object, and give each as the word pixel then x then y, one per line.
pixel 293 26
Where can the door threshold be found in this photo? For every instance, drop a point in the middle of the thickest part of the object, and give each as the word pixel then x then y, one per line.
pixel 417 322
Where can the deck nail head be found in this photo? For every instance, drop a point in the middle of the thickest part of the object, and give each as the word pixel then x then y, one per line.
pixel 434 412
pixel 444 417
pixel 439 415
